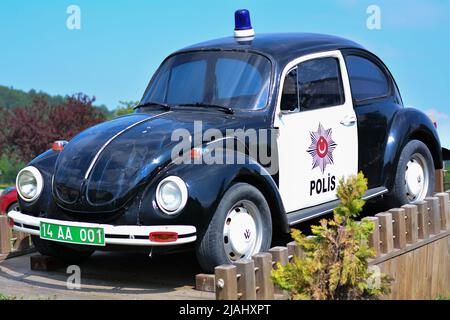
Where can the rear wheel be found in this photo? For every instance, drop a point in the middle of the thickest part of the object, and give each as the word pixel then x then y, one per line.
pixel 56 250
pixel 240 228
pixel 415 178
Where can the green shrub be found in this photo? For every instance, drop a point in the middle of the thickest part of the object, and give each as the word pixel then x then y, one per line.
pixel 125 107
pixel 9 167
pixel 335 262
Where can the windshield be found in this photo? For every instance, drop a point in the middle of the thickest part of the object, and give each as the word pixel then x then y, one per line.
pixel 238 80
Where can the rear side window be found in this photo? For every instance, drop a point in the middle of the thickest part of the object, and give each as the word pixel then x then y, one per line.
pixel 367 80
pixel 313 84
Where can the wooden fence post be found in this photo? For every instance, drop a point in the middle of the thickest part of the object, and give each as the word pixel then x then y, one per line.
pixel 246 283
pixel 386 236
pixel 374 238
pixel 399 227
pixel 444 208
pixel 279 255
pixel 422 217
pixel 434 215
pixel 5 243
pixel 205 282
pixel 439 181
pixel 411 213
pixel 226 282
pixel 294 250
pixel 264 284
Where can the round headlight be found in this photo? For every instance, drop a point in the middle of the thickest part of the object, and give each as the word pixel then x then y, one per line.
pixel 171 195
pixel 29 184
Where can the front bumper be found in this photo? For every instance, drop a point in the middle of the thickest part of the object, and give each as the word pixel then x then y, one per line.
pixel 116 235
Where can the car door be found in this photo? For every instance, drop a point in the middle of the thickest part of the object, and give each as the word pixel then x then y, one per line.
pixel 317 142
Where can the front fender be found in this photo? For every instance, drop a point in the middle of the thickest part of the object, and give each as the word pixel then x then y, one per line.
pixel 409 124
pixel 206 186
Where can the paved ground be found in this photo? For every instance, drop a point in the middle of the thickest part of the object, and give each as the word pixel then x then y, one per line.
pixel 110 275
pixel 107 276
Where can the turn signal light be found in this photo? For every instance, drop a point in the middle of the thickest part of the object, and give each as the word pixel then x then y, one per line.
pixel 163 236
pixel 59 145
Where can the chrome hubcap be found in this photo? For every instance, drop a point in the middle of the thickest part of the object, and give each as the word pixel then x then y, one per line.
pixel 416 178
pixel 242 231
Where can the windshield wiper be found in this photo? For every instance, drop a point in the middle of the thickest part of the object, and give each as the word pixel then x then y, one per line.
pixel 151 103
pixel 208 105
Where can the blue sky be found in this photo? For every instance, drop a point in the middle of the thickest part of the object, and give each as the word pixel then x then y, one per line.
pixel 121 43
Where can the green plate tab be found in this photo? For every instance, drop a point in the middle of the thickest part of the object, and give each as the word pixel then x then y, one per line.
pixel 72 234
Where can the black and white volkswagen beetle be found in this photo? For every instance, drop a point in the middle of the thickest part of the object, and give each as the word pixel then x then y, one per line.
pixel 328 108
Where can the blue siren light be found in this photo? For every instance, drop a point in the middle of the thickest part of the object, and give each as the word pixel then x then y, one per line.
pixel 242 24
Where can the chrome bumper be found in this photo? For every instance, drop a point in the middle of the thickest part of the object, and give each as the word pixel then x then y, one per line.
pixel 117 235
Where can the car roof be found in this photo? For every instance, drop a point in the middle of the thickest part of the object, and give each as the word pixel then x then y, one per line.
pixel 281 47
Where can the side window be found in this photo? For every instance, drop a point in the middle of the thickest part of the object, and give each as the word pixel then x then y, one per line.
pixel 319 84
pixel 289 98
pixel 367 80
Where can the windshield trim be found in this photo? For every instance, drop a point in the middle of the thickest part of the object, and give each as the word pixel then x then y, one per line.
pixel 269 58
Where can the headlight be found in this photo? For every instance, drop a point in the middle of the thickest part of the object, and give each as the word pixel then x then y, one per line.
pixel 29 184
pixel 171 195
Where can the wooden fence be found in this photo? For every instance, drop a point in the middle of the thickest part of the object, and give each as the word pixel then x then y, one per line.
pixel 412 244
pixel 12 243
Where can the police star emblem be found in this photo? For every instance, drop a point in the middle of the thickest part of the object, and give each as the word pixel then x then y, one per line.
pixel 321 148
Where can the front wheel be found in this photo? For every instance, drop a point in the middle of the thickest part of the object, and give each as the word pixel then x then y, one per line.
pixel 414 178
pixel 240 228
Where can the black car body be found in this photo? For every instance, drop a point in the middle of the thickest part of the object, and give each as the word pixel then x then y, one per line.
pixel 108 175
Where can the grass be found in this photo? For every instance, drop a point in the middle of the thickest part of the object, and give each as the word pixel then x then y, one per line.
pixel 5 297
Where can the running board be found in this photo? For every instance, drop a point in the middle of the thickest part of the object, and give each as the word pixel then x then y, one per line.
pixel 316 211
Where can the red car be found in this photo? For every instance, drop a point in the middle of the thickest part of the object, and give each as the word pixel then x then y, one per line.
pixel 8 200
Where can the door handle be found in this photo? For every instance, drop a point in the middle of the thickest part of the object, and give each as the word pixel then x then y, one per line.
pixel 348 121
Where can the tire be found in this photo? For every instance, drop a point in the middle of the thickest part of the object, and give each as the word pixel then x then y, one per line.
pixel 414 178
pixel 13 206
pixel 58 251
pixel 231 234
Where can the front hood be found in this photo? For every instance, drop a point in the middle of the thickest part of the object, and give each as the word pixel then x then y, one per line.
pixel 102 167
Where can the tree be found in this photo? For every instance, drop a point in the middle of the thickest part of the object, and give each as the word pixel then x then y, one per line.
pixel 27 132
pixel 335 265
pixel 73 116
pixel 31 130
pixel 125 107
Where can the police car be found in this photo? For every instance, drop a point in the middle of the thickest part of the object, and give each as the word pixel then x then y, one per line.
pixel 327 108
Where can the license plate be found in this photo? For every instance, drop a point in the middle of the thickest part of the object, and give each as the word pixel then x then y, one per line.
pixel 72 234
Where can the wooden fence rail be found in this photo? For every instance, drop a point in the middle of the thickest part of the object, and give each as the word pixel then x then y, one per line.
pixel 412 244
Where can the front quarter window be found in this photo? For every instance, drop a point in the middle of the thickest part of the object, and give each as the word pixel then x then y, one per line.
pixel 289 98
